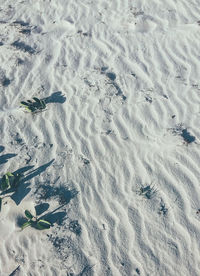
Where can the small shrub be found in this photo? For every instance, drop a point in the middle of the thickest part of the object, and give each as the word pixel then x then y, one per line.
pixel 34 106
pixel 148 191
pixel 35 222
pixel 163 209
pixel 8 183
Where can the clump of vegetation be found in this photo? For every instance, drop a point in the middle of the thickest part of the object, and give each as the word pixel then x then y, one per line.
pixel 163 209
pixel 34 106
pixel 35 222
pixel 8 183
pixel 148 191
pixel 9 180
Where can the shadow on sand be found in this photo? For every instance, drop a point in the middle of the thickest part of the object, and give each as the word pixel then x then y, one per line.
pixel 54 216
pixel 37 171
pixel 19 193
pixel 62 193
pixel 56 97
pixel 19 45
pixel 4 158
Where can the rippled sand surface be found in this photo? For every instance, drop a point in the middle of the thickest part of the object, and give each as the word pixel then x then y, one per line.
pixel 113 161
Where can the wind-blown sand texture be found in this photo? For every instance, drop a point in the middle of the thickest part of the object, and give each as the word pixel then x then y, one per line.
pixel 113 163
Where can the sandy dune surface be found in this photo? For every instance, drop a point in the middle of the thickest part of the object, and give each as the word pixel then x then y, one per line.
pixel 113 160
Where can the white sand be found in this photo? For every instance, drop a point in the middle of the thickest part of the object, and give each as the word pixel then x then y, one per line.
pixel 126 78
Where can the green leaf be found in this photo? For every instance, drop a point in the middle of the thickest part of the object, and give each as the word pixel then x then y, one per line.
pixel 24 103
pixel 43 104
pixel 34 106
pixel 29 105
pixel 26 224
pixel 26 106
pixel 43 224
pixel 30 109
pixel 11 179
pixel 37 100
pixel 9 174
pixel 28 214
pixel 5 183
pixel 7 180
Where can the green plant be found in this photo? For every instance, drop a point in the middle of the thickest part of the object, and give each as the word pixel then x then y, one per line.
pixel 163 209
pixel 148 191
pixel 34 106
pixel 35 222
pixel 8 182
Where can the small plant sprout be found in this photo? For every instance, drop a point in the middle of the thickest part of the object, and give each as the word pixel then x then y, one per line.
pixel 8 183
pixel 163 209
pixel 34 106
pixel 148 191
pixel 35 222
